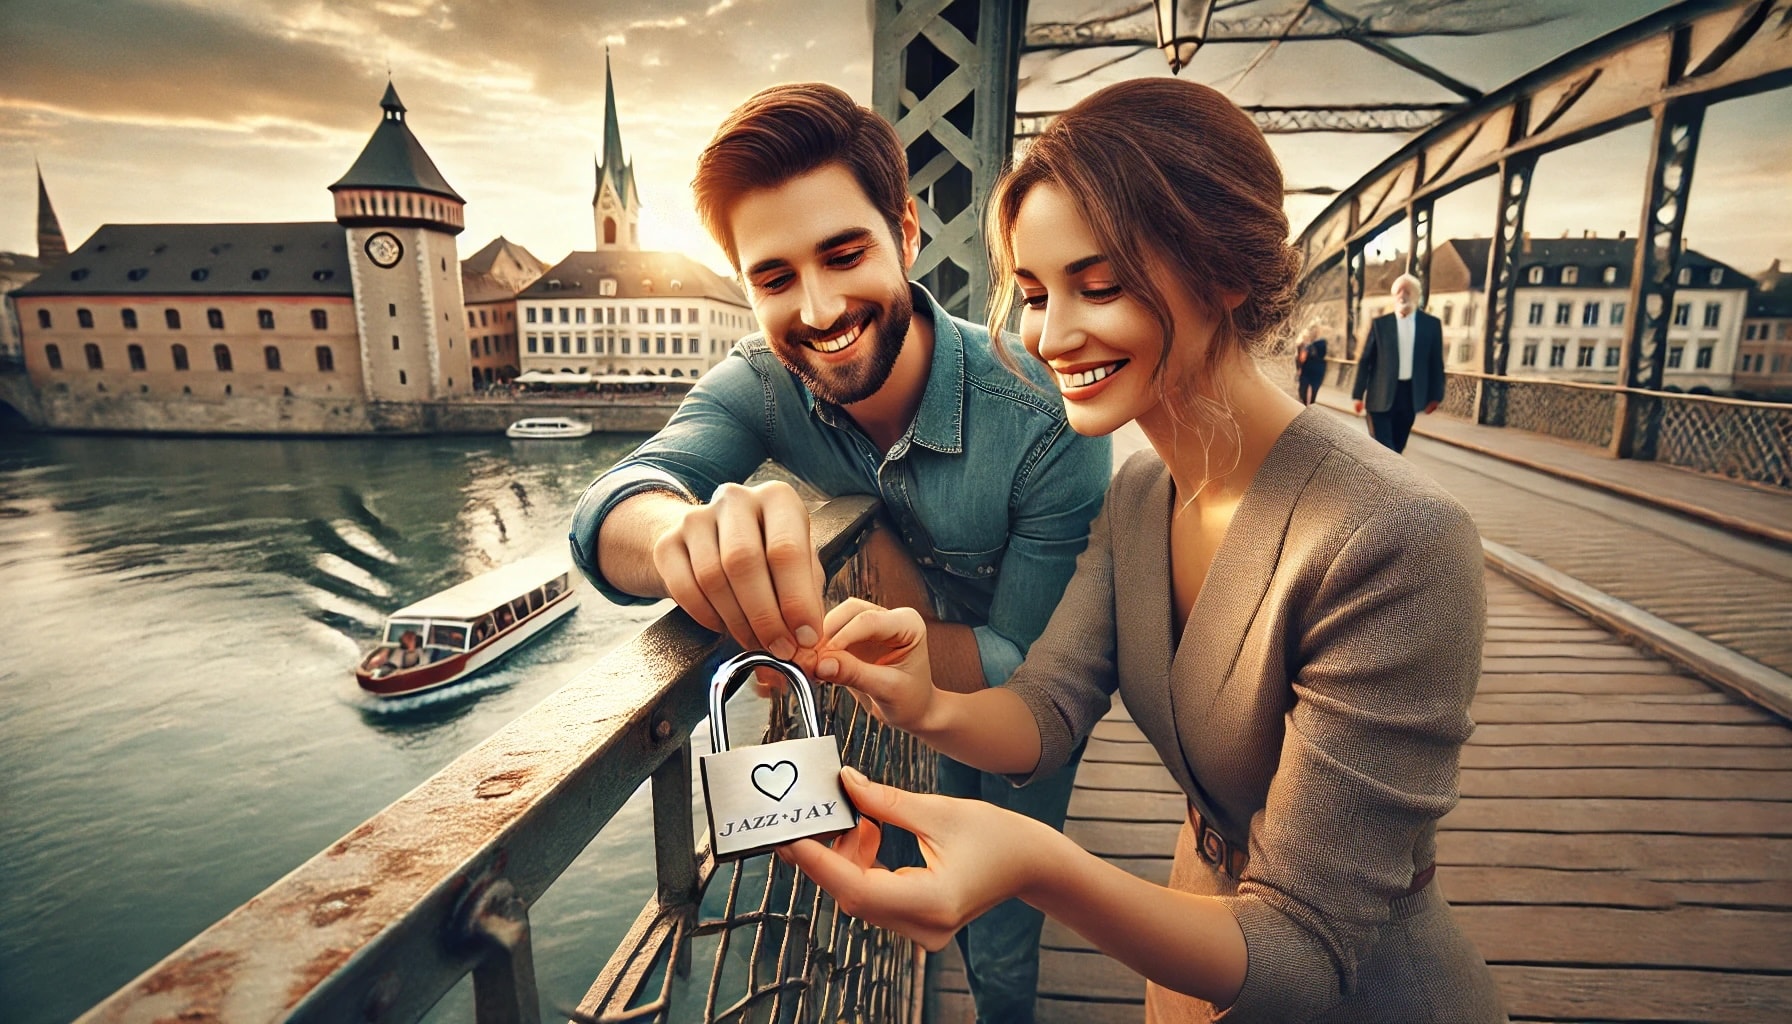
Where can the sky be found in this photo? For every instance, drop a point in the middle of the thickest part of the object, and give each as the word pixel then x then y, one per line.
pixel 145 111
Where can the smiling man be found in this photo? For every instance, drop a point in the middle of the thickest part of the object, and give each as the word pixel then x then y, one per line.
pixel 859 383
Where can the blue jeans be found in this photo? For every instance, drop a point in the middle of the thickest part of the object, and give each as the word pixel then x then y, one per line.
pixel 1001 948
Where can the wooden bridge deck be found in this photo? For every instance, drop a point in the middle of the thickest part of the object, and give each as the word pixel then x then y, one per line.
pixel 1622 850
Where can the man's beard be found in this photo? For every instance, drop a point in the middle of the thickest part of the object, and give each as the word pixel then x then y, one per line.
pixel 859 379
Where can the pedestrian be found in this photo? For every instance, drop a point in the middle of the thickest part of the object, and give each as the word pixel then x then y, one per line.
pixel 1310 363
pixel 1402 368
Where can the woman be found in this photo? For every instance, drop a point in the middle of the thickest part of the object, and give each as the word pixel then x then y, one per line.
pixel 1291 613
pixel 1310 364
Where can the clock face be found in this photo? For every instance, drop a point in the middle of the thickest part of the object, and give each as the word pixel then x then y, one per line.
pixel 385 249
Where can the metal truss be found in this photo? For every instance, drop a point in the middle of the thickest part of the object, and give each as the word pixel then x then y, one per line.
pixel 1354 119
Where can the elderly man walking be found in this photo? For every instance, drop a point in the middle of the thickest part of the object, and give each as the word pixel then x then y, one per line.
pixel 1402 368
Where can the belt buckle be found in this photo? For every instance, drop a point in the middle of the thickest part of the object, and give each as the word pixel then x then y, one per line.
pixel 1212 846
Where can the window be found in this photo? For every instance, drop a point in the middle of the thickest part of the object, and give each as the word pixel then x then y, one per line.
pixel 221 356
pixel 200 273
pixel 129 318
pixel 135 354
pixel 659 348
pixel 1570 275
pixel 1682 313
pixel 1564 312
pixel 53 355
pixel 1685 276
pixel 1749 332
pixel 1610 275
pixel 272 355
pixel 84 317
pixel 180 358
pixel 1617 317
pixel 1536 317
pixel 172 316
pixel 1535 275
pixel 625 314
pixel 691 315
pixel 606 287
pixel 677 344
pixel 1713 312
pixel 94 362
pixel 1558 355
pixel 401 379
pixel 1589 315
pixel 1703 359
pixel 626 347
pixel 675 314
pixel 582 339
pixel 1584 356
pixel 529 314
pixel 659 314
pixel 1449 311
pixel 320 319
pixel 1676 356
pixel 395 343
pixel 1462 352
pixel 326 359
pixel 258 274
pixel 1611 355
pixel 529 342
pixel 265 318
pixel 215 317
pixel 482 322
pixel 563 315
pixel 1717 276
pixel 578 315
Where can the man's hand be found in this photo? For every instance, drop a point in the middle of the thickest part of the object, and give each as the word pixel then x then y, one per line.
pixel 881 656
pixel 1430 407
pixel 744 564
pixel 1359 406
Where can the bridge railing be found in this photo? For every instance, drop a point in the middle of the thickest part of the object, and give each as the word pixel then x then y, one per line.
pixel 1743 440
pixel 438 885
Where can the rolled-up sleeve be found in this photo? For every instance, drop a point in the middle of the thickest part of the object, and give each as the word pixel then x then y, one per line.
pixel 1053 505
pixel 1389 663
pixel 717 436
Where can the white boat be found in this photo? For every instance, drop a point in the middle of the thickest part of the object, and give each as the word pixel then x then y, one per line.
pixel 553 427
pixel 455 633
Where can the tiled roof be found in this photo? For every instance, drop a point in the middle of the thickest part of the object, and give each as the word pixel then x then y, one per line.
pixel 204 259
pixel 638 275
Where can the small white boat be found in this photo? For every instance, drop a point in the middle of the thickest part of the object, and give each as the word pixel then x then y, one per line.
pixel 550 427
pixel 453 634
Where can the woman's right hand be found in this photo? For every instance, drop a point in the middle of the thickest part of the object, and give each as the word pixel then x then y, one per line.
pixel 881 655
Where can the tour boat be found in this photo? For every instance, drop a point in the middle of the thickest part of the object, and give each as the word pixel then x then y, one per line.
pixel 451 635
pixel 554 427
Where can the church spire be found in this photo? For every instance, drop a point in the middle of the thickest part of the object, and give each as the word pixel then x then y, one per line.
pixel 613 159
pixel 51 245
pixel 615 206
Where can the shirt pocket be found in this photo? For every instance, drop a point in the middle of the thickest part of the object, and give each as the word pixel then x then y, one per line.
pixel 971 565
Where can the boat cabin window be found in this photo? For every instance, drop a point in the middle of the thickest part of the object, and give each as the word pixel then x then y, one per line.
pixel 483 629
pixel 535 599
pixel 397 628
pixel 452 635
pixel 556 587
pixel 520 607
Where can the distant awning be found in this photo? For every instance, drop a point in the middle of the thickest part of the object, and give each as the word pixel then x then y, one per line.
pixel 645 378
pixel 539 377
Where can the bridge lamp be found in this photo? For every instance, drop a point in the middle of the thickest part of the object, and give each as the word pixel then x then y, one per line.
pixel 1181 29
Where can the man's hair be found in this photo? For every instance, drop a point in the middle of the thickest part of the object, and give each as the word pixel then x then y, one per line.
pixel 1417 288
pixel 789 130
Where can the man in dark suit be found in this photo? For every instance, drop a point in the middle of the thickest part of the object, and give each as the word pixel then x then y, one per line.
pixel 1402 368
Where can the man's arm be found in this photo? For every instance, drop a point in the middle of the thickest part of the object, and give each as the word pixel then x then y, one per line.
pixel 1435 386
pixel 1365 367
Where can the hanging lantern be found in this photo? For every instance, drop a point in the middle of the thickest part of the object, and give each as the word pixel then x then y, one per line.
pixel 1181 29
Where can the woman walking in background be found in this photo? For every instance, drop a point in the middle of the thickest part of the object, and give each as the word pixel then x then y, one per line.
pixel 1309 359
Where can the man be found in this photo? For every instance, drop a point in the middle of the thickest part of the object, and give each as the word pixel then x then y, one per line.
pixel 858 383
pixel 1402 368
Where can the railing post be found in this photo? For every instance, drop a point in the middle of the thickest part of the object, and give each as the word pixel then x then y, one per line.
pixel 1502 278
pixel 674 840
pixel 504 979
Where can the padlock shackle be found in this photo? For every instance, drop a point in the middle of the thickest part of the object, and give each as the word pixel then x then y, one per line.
pixel 732 669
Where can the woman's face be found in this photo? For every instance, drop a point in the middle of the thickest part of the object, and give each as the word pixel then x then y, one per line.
pixel 1101 345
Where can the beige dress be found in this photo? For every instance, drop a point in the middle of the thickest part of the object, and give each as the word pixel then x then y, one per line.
pixel 1312 710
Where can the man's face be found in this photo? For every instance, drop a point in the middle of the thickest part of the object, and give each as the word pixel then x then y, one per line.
pixel 826 280
pixel 1406 297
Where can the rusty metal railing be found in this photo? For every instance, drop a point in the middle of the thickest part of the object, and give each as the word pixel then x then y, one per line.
pixel 438 885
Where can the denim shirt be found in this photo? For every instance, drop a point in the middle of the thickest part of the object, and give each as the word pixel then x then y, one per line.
pixel 989 488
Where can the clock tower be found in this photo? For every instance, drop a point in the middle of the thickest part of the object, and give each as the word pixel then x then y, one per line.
pixel 401 216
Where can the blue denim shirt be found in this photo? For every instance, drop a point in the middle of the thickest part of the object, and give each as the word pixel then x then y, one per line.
pixel 989 488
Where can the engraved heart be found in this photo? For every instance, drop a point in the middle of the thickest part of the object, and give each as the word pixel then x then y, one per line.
pixel 775 780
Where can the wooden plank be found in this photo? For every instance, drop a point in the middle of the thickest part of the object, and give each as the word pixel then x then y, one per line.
pixel 1622 755
pixel 1108 805
pixel 1694 817
pixel 1537 647
pixel 1101 751
pixel 1638 665
pixel 1144 778
pixel 1524 885
pixel 1123 838
pixel 1615 711
pixel 1595 734
pixel 1079 1011
pixel 1579 993
pixel 1680 937
pixel 1668 858
pixel 1118 732
pixel 1601 699
pixel 1568 682
pixel 1665 783
pixel 1087 976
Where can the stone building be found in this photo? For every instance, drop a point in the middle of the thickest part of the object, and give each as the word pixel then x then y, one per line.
pixel 1764 361
pixel 18 270
pixel 489 282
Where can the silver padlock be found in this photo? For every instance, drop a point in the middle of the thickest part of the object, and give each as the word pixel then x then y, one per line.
pixel 759 797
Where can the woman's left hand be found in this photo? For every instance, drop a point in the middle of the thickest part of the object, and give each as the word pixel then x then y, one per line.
pixel 977 856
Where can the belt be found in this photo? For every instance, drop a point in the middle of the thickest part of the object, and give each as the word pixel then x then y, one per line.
pixel 1229 859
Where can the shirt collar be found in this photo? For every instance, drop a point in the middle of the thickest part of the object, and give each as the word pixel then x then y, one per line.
pixel 939 422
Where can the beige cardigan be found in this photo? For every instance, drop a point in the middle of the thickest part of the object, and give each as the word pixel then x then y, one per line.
pixel 1318 698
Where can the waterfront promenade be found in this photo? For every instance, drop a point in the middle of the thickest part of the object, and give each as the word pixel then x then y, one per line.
pixel 1623 847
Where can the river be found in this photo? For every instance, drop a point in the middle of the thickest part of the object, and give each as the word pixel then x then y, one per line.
pixel 178 725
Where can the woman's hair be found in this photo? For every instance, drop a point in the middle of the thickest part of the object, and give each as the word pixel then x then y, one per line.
pixel 789 130
pixel 1179 189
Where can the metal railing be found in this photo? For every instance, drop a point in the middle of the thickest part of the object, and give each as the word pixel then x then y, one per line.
pixel 1730 437
pixel 438 885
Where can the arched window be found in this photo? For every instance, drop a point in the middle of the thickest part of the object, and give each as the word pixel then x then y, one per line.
pixel 320 319
pixel 272 355
pixel 136 355
pixel 265 318
pixel 129 318
pixel 180 358
pixel 326 360
pixel 173 318
pixel 43 319
pixel 221 355
pixel 84 317
pixel 94 362
pixel 53 356
pixel 215 317
pixel 609 231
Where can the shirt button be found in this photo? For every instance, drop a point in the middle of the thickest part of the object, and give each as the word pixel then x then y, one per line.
pixel 926 561
pixel 984 570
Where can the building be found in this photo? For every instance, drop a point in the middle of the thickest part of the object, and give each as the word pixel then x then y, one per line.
pixel 1570 315
pixel 281 327
pixel 619 309
pixel 18 270
pixel 1764 359
pixel 489 282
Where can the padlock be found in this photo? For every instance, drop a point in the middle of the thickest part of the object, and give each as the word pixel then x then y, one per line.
pixel 759 797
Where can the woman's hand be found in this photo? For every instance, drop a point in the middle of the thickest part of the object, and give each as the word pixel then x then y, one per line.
pixel 976 857
pixel 881 655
